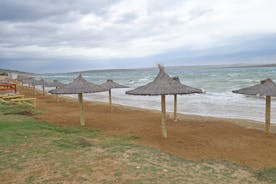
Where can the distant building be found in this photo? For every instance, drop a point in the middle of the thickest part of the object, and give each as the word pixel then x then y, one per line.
pixel 12 75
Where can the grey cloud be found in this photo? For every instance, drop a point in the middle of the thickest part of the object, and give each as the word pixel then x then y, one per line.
pixel 51 23
pixel 54 24
pixel 46 23
pixel 127 18
pixel 31 10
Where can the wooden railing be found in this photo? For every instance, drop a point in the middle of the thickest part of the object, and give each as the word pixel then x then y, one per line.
pixel 8 87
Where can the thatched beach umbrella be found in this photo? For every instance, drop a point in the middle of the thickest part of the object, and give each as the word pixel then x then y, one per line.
pixel 188 90
pixel 79 86
pixel 55 84
pixel 41 82
pixel 110 84
pixel 266 88
pixel 23 77
pixel 30 82
pixel 24 80
pixel 162 85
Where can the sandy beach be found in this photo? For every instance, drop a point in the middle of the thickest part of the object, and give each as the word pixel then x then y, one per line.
pixel 192 137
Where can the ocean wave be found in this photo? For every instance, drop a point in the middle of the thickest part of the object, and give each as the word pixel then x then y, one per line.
pixel 218 99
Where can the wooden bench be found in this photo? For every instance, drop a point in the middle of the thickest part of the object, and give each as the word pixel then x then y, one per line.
pixel 9 97
pixel 20 100
pixel 4 95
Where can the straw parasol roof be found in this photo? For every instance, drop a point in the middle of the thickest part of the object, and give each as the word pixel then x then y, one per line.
pixel 110 84
pixel 55 83
pixel 79 85
pixel 30 81
pixel 189 90
pixel 186 89
pixel 163 84
pixel 266 88
pixel 23 77
pixel 41 82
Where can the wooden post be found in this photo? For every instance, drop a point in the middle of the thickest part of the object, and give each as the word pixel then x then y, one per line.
pixel 56 95
pixel 82 122
pixel 110 100
pixel 175 108
pixel 43 88
pixel 34 90
pixel 267 114
pixel 163 116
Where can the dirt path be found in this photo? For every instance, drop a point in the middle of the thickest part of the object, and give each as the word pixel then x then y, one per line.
pixel 194 138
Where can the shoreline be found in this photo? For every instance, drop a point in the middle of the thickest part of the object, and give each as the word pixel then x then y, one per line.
pixel 193 137
pixel 180 113
pixel 246 123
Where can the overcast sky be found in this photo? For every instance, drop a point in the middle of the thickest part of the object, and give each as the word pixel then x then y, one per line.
pixel 67 35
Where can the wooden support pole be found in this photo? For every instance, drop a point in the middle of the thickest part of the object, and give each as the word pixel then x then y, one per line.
pixel 34 89
pixel 110 100
pixel 56 95
pixel 15 91
pixel 82 122
pixel 163 116
pixel 43 88
pixel 175 108
pixel 267 114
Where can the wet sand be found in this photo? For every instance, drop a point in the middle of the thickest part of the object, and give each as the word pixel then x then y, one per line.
pixel 192 137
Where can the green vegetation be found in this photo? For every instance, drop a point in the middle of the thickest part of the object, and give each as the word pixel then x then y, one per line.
pixel 267 174
pixel 4 73
pixel 32 151
pixel 23 108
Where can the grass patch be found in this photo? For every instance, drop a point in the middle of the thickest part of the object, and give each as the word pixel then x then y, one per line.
pixel 267 174
pixel 118 144
pixel 33 151
pixel 22 108
pixel 16 129
pixel 75 143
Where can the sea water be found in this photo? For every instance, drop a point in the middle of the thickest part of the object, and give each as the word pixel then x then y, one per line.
pixel 217 84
